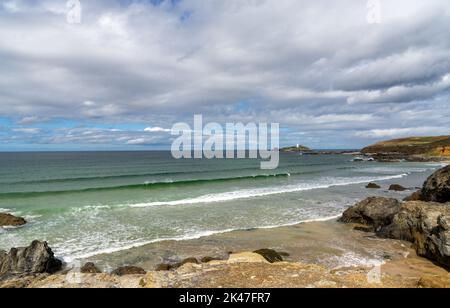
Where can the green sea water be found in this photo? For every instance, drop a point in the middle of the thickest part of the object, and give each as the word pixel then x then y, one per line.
pixel 86 203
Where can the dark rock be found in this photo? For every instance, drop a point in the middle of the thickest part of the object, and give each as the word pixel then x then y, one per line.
pixel 372 212
pixel 173 266
pixel 163 267
pixel 283 253
pixel 188 260
pixel 209 259
pixel 396 187
pixel 129 270
pixel 437 187
pixel 8 220
pixel 37 258
pixel 270 255
pixel 425 225
pixel 373 186
pixel 417 196
pixel 90 268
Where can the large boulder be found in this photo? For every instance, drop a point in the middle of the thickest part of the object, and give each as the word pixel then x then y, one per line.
pixel 8 220
pixel 373 212
pixel 437 187
pixel 426 225
pixel 37 258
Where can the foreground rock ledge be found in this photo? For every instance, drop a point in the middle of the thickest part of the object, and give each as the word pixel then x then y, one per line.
pixel 244 270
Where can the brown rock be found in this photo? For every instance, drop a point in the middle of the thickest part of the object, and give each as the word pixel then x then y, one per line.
pixel 8 220
pixel 373 212
pixel 397 187
pixel 373 186
pixel 417 196
pixel 128 270
pixel 90 268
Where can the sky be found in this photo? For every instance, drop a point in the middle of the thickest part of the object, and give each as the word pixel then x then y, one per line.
pixel 120 78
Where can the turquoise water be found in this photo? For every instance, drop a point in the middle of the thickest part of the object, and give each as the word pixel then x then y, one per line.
pixel 88 203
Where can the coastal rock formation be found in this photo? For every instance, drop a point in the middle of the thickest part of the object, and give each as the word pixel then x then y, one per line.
pixel 437 187
pixel 373 186
pixel 425 224
pixel 8 220
pixel 373 212
pixel 128 270
pixel 35 259
pixel 397 187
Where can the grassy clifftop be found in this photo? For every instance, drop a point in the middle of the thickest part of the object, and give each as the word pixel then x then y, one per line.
pixel 425 146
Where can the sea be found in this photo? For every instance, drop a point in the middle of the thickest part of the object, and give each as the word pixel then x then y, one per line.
pixel 89 203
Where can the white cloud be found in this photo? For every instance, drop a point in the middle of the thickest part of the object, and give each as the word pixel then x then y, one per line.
pixel 157 130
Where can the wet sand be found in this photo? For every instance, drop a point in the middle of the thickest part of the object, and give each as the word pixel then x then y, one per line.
pixel 330 244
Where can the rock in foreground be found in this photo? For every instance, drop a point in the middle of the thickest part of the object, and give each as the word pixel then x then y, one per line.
pixel 373 212
pixel 8 220
pixel 37 258
pixel 425 224
pixel 437 187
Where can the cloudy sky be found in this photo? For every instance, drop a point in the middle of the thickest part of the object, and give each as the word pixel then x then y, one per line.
pixel 131 69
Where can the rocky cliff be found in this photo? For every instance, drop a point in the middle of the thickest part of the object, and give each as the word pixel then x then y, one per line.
pixel 414 148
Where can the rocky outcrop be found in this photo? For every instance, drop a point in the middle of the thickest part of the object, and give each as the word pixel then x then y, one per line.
pixel 8 220
pixel 425 224
pixel 373 186
pixel 35 259
pixel 128 270
pixel 437 187
pixel 373 212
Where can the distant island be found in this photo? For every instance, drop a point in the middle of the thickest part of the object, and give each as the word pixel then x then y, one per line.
pixel 295 149
pixel 411 149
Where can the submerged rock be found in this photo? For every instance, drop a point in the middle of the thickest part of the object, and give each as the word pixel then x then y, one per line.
pixel 8 220
pixel 270 255
pixel 437 187
pixel 373 212
pixel 129 270
pixel 35 259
